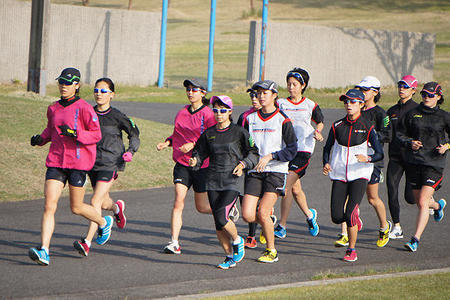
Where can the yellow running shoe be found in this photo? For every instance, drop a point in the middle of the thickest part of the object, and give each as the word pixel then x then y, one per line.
pixel 262 238
pixel 269 256
pixel 342 241
pixel 384 236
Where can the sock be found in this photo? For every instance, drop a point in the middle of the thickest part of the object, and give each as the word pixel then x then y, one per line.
pixel 282 226
pixel 237 240
pixel 87 242
pixel 351 249
pixel 415 239
pixel 230 256
pixel 116 209
pixel 175 242
pixel 344 233
pixel 273 251
pixel 385 228
pixel 103 225
pixel 46 249
pixel 252 229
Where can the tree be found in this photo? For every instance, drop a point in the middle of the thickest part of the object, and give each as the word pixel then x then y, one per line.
pixel 85 2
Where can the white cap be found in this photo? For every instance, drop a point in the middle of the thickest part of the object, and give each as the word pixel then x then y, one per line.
pixel 369 82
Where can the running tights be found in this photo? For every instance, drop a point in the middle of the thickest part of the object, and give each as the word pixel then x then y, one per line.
pixel 341 209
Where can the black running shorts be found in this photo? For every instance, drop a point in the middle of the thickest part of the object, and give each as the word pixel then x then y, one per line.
pixel 300 163
pixel 377 175
pixel 74 177
pixel 256 184
pixel 104 176
pixel 420 175
pixel 188 177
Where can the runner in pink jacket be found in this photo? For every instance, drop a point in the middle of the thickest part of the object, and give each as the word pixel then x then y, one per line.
pixel 73 130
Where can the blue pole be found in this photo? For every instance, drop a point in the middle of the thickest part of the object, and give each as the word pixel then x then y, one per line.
pixel 263 39
pixel 162 47
pixel 212 29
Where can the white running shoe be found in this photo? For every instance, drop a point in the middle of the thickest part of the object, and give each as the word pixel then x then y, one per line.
pixel 172 248
pixel 396 233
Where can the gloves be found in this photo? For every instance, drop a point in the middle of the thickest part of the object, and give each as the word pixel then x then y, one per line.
pixel 127 156
pixel 67 131
pixel 36 140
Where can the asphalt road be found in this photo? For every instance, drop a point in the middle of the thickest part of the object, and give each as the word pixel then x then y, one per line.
pixel 132 265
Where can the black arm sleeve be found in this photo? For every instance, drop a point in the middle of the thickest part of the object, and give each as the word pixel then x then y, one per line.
pixel 327 147
pixel 290 139
pixel 376 146
pixel 201 150
pixel 240 120
pixel 384 127
pixel 250 150
pixel 132 130
pixel 317 115
pixel 402 132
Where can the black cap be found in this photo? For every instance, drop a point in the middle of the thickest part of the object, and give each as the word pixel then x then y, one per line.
pixel 195 82
pixel 354 94
pixel 266 85
pixel 70 74
pixel 432 88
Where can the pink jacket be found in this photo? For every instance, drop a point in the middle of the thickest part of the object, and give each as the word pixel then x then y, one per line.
pixel 72 153
pixel 188 128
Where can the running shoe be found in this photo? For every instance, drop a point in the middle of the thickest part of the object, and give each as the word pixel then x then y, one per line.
pixel 121 220
pixel 262 238
pixel 396 233
pixel 412 245
pixel 383 238
pixel 234 214
pixel 350 255
pixel 359 221
pixel 342 241
pixel 39 255
pixel 439 213
pixel 280 231
pixel 81 247
pixel 227 263
pixel 312 223
pixel 269 256
pixel 239 250
pixel 172 248
pixel 250 242
pixel 104 233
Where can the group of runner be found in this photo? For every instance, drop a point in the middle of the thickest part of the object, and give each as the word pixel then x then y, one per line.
pixel 261 157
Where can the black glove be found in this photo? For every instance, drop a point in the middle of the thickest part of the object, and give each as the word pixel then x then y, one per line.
pixel 67 131
pixel 36 140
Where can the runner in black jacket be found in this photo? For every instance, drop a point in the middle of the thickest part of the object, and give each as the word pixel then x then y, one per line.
pixel 425 132
pixel 111 157
pixel 230 150
pixel 397 165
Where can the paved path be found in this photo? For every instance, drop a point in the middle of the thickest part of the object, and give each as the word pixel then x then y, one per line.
pixel 131 263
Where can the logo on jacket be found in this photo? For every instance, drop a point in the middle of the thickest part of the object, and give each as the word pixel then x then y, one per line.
pixel 417 116
pixel 360 131
pixel 94 118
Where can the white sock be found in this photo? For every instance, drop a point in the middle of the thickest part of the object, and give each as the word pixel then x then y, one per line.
pixel 237 240
pixel 46 249
pixel 116 209
pixel 175 242
pixel 88 243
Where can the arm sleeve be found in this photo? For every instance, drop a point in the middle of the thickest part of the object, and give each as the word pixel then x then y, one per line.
pixel 290 139
pixel 327 148
pixel 240 120
pixel 250 150
pixel 317 115
pixel 92 134
pixel 376 146
pixel 447 127
pixel 384 127
pixel 402 134
pixel 201 150
pixel 245 124
pixel 46 135
pixel 132 130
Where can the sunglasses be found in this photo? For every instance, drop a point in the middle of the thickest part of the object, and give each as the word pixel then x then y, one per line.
pixel 253 95
pixel 194 89
pixel 296 75
pixel 403 86
pixel 427 95
pixel 62 81
pixel 352 101
pixel 221 110
pixel 103 91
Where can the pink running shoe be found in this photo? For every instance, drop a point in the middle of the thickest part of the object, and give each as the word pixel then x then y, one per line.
pixel 121 220
pixel 350 255
pixel 81 247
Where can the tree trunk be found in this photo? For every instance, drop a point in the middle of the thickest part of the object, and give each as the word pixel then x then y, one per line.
pixel 129 4
pixel 252 6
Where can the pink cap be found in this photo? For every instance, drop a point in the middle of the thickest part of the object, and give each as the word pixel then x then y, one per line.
pixel 224 99
pixel 410 80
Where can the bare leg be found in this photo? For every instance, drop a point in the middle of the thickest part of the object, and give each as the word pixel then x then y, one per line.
pixel 265 207
pixel 80 208
pixel 99 199
pixel 249 204
pixel 228 232
pixel 52 192
pixel 300 198
pixel 177 211
pixel 377 204
pixel 286 201
pixel 352 236
pixel 424 202
pixel 202 203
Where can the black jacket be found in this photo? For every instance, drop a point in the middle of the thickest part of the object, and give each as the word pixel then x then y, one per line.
pixel 395 114
pixel 225 149
pixel 431 126
pixel 111 148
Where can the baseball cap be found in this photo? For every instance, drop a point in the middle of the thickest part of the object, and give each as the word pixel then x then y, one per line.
pixel 409 80
pixel 354 94
pixel 432 88
pixel 224 99
pixel 266 85
pixel 369 82
pixel 70 74
pixel 195 82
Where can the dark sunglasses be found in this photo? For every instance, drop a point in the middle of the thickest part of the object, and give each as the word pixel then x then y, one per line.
pixel 221 110
pixel 253 95
pixel 403 86
pixel 194 89
pixel 297 76
pixel 352 101
pixel 103 91
pixel 62 81
pixel 427 95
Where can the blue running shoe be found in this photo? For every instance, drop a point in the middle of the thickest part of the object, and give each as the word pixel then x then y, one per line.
pixel 238 250
pixel 412 244
pixel 280 231
pixel 439 213
pixel 104 233
pixel 227 263
pixel 40 256
pixel 312 223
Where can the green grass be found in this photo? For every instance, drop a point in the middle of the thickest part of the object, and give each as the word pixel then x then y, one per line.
pixel 434 286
